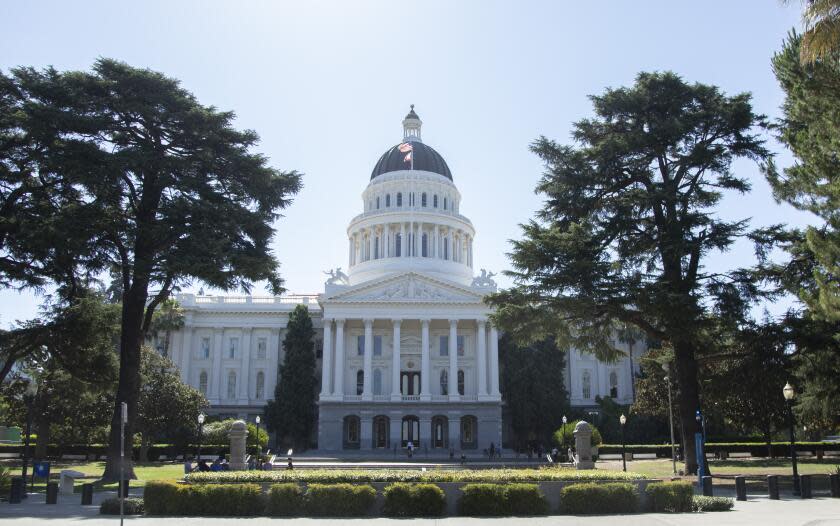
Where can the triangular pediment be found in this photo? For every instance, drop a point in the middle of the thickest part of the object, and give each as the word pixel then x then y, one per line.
pixel 409 287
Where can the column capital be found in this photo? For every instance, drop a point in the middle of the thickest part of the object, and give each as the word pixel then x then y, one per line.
pixel 453 321
pixel 425 321
pixel 396 321
pixel 327 320
pixel 481 321
pixel 368 321
pixel 339 322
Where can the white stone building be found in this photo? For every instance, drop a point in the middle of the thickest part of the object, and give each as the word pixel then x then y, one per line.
pixel 405 350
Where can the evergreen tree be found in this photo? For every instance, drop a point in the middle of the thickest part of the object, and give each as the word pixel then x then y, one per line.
pixel 627 219
pixel 292 412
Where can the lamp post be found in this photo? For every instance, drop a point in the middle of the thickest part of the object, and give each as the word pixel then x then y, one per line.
pixel 565 449
pixel 29 398
pixel 623 420
pixel 201 418
pixel 667 369
pixel 259 444
pixel 790 394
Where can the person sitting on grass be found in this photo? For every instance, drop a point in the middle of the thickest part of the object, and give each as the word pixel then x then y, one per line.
pixel 216 466
pixel 267 466
pixel 188 465
pixel 202 466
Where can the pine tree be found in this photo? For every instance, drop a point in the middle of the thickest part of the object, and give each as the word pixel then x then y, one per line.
pixel 292 412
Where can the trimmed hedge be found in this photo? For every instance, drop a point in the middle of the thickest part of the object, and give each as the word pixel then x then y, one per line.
pixel 414 500
pixel 590 499
pixel 216 500
pixel 339 500
pixel 702 503
pixel 498 500
pixel 284 500
pixel 757 449
pixel 670 497
pixel 111 506
pixel 325 476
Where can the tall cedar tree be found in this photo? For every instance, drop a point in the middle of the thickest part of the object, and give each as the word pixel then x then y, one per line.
pixel 533 395
pixel 292 412
pixel 168 192
pixel 627 218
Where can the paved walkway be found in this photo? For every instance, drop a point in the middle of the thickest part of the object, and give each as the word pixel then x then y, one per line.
pixel 755 512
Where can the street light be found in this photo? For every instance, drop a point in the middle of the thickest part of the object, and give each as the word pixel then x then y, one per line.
pixel 201 418
pixel 790 394
pixel 667 369
pixel 565 449
pixel 29 398
pixel 259 444
pixel 623 420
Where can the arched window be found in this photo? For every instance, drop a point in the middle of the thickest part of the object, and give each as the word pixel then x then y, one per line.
pixel 461 382
pixel 377 202
pixel 398 245
pixel 387 200
pixel 613 384
pixel 399 198
pixel 586 382
pixel 205 348
pixel 202 382
pixel 410 430
pixel 434 200
pixel 360 382
pixel 231 386
pixel 469 435
pixel 444 203
pixel 423 200
pixel 351 432
pixel 260 391
pixel 377 381
pixel 444 382
pixel 424 249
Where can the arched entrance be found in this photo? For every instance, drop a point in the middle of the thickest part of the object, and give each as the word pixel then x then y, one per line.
pixel 440 432
pixel 352 430
pixel 410 431
pixel 469 432
pixel 381 425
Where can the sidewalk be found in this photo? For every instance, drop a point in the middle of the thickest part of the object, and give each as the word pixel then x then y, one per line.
pixel 758 511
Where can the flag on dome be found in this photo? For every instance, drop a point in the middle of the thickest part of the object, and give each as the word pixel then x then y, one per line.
pixel 407 157
pixel 406 147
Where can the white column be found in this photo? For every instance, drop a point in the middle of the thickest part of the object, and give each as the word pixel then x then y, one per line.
pixel 370 234
pixel 186 355
pixel 338 366
pixel 326 359
pixel 494 362
pixel 425 362
pixel 481 362
pixel 396 364
pixel 453 359
pixel 419 251
pixel 434 243
pixel 216 374
pixel 245 368
pixel 403 242
pixel 350 251
pixel 275 341
pixel 367 391
pixel 451 245
pixel 388 240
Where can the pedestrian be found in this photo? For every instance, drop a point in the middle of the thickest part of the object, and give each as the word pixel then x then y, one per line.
pixel 492 450
pixel 267 466
pixel 554 453
pixel 188 465
pixel 410 447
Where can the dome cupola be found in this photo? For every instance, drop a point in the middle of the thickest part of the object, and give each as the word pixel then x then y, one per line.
pixel 419 157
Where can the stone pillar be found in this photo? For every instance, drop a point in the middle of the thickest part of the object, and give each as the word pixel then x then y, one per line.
pixel 481 356
pixel 451 245
pixel 238 435
pixel 186 354
pixel 396 363
pixel 338 366
pixel 395 431
pixel 367 391
pixel 583 446
pixel 403 242
pixel 245 368
pixel 366 431
pixel 425 362
pixel 419 241
pixel 326 359
pixel 435 233
pixel 453 360
pixel 494 362
pixel 454 428
pixel 370 234
pixel 216 373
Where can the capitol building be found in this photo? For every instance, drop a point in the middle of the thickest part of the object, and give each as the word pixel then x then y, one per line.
pixel 405 349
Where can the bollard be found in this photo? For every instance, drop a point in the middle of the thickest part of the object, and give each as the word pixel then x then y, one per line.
pixel 52 492
pixel 740 488
pixel 16 490
pixel 707 486
pixel 834 481
pixel 805 486
pixel 122 491
pixel 87 494
pixel 773 486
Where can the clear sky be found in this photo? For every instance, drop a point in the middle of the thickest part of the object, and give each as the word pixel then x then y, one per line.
pixel 326 85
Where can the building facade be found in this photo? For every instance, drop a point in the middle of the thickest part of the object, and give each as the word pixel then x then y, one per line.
pixel 405 350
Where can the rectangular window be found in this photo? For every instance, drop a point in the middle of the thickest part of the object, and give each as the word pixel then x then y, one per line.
pixel 444 345
pixel 262 345
pixel 360 344
pixel 377 345
pixel 461 344
pixel 205 348
pixel 234 343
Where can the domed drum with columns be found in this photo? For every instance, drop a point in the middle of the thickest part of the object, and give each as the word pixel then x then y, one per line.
pixel 408 353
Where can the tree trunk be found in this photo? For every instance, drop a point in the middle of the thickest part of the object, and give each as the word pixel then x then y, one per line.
pixel 145 443
pixel 689 400
pixel 128 389
pixel 42 429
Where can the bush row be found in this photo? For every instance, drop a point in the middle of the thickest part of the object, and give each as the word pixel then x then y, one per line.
pixel 361 475
pixel 758 449
pixel 416 500
pixel 155 452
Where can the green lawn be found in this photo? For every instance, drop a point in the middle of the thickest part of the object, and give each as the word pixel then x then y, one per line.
pixel 662 468
pixel 144 472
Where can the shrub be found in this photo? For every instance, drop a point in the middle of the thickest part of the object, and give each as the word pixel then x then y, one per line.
pixel 5 480
pixel 702 503
pixel 161 498
pixel 414 500
pixel 670 497
pixel 592 498
pixel 483 500
pixel 284 500
pixel 569 431
pixel 131 506
pixel 211 500
pixel 339 500
pixel 525 499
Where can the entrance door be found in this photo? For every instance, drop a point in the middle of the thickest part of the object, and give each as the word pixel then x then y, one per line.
pixel 440 431
pixel 380 432
pixel 410 431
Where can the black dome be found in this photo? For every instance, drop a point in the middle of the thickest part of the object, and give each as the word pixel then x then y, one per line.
pixel 425 158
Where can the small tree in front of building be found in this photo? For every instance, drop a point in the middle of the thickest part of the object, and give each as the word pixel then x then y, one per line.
pixel 291 415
